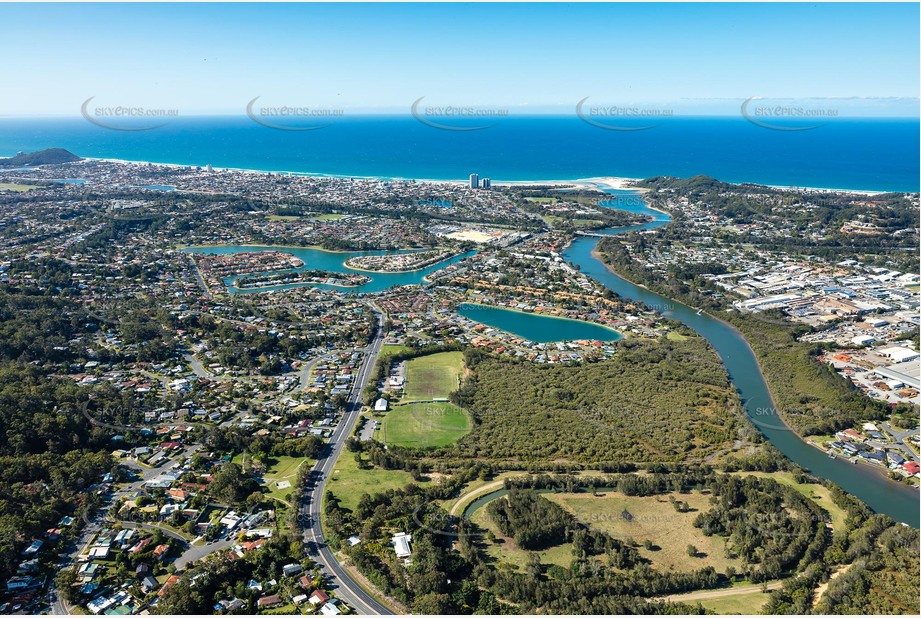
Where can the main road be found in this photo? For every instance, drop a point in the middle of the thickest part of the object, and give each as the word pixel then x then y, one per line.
pixel 347 588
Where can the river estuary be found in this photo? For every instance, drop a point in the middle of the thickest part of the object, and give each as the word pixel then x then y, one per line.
pixel 881 494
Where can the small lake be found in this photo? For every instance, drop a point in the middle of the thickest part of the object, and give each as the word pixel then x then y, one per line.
pixel 536 327
pixel 333 261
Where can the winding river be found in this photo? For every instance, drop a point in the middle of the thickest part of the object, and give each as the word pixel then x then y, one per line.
pixel 881 494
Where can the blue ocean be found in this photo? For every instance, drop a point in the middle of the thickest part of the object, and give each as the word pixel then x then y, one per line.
pixel 869 154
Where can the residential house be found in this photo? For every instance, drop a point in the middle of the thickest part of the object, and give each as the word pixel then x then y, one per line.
pixel 401 545
pixel 289 570
pixel 271 600
pixel 318 597
pixel 149 584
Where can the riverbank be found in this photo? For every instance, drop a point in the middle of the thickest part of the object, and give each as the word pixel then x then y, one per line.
pixel 777 413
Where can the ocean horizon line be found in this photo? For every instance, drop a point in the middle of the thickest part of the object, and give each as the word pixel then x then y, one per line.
pixel 556 115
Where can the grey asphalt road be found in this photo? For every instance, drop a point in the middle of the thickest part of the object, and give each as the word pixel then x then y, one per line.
pixel 197 552
pixel 346 587
pixel 901 436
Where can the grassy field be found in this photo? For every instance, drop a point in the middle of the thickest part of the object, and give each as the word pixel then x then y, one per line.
pixel 328 217
pixel 387 350
pixel 653 518
pixel 741 603
pixel 504 550
pixel 819 494
pixel 17 188
pixel 433 376
pixel 349 483
pixel 420 425
pixel 283 217
pixel 556 220
pixel 282 469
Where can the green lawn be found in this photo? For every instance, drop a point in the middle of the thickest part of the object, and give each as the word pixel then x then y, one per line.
pixel 18 188
pixel 281 469
pixel 652 518
pixel 421 425
pixel 349 483
pixel 556 220
pixel 433 376
pixel 329 217
pixel 743 603
pixel 387 350
pixel 284 610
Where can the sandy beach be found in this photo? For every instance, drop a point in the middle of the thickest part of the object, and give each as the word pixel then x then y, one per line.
pixel 598 182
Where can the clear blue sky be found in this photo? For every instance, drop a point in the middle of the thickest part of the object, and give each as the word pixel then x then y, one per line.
pixel 214 58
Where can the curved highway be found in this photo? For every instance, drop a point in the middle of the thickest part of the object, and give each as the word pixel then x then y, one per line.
pixel 347 588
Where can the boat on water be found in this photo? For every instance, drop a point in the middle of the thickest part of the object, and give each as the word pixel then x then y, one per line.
pixel 832 456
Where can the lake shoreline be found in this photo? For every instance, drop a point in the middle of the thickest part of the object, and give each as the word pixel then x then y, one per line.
pixel 620 335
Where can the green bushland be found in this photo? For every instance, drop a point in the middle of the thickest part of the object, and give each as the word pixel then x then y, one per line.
pixel 654 401
pixel 811 396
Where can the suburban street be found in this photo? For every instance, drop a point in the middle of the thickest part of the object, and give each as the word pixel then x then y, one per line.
pixel 94 523
pixel 901 440
pixel 346 587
